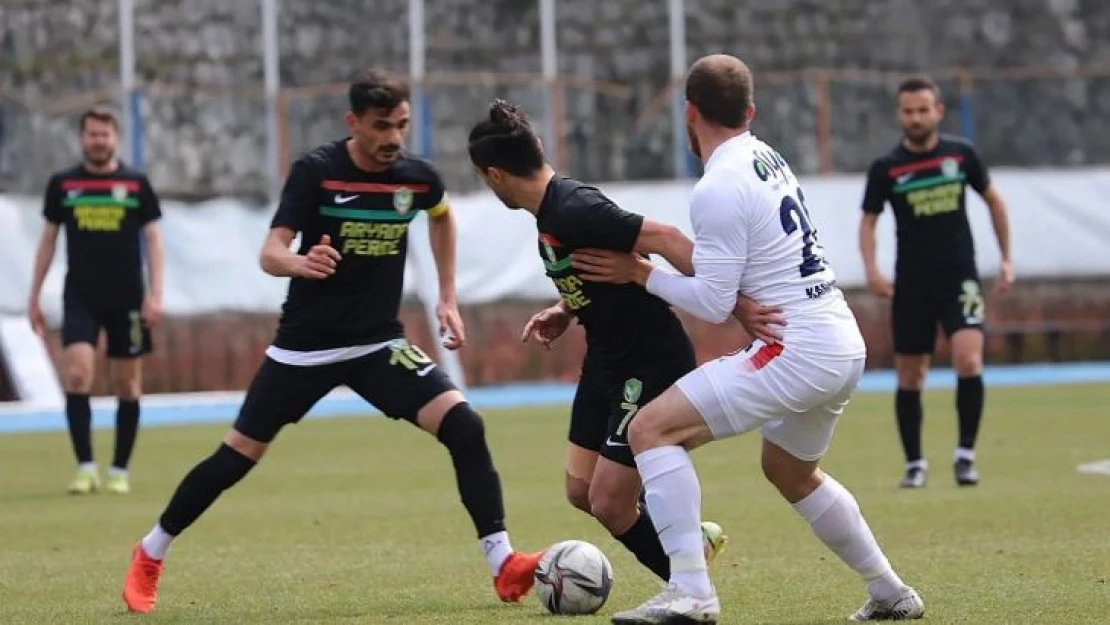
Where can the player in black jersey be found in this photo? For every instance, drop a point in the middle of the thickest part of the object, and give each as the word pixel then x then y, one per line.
pixel 352 201
pixel 636 346
pixel 105 208
pixel 936 281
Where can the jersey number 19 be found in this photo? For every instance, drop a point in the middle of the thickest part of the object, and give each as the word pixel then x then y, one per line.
pixel 793 214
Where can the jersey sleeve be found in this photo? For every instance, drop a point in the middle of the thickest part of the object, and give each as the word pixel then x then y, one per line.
pixel 602 224
pixel 874 197
pixel 720 254
pixel 298 197
pixel 150 208
pixel 52 208
pixel 977 175
pixel 437 202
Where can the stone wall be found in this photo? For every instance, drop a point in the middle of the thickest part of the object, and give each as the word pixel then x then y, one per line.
pixel 222 352
pixel 200 68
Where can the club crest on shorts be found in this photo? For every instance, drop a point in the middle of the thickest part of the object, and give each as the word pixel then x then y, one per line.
pixel 402 200
pixel 632 390
pixel 949 168
pixel 119 192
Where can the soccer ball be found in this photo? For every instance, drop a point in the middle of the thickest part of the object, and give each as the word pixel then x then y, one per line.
pixel 573 577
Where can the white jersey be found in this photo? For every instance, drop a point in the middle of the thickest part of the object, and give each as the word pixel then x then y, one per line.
pixel 753 235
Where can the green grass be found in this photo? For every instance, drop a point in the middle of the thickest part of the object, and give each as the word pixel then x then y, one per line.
pixel 357 521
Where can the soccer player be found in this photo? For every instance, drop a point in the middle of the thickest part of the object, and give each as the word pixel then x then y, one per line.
pixel 636 346
pixel 352 201
pixel 753 235
pixel 105 207
pixel 935 281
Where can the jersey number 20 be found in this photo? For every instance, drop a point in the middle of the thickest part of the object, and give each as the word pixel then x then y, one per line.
pixel 793 214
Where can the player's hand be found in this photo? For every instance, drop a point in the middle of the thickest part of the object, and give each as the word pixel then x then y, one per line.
pixel 38 319
pixel 451 330
pixel 609 266
pixel 759 321
pixel 1005 277
pixel 546 326
pixel 151 311
pixel 877 284
pixel 320 261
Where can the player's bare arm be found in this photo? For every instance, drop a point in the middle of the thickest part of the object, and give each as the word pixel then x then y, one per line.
pixel 1001 221
pixel 155 259
pixel 278 260
pixel 669 242
pixel 43 257
pixel 441 236
pixel 877 283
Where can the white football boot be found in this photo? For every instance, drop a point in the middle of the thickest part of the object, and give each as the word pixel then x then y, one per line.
pixel 673 606
pixel 907 606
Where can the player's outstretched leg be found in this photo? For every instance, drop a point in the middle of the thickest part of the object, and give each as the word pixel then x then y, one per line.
pixel 199 490
pixel 463 433
pixel 835 518
pixel 660 436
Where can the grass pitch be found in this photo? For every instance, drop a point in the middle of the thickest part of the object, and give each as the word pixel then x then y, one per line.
pixel 357 521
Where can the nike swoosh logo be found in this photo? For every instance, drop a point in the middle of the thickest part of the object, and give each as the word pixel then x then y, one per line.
pixel 610 442
pixel 903 178
pixel 343 199
pixel 426 370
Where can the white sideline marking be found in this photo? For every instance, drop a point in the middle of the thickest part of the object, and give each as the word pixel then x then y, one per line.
pixel 1100 467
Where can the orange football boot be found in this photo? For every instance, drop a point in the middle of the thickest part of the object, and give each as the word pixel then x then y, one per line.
pixel 140 588
pixel 516 576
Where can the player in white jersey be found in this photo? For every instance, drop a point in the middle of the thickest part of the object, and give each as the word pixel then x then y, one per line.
pixel 753 235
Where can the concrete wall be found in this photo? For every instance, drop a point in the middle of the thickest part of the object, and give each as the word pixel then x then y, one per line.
pixel 211 141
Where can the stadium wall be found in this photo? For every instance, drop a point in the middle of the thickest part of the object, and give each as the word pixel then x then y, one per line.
pixel 1027 77
pixel 222 308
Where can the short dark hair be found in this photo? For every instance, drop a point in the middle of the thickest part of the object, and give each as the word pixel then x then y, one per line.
pixel 505 140
pixel 99 113
pixel 377 89
pixel 917 83
pixel 721 88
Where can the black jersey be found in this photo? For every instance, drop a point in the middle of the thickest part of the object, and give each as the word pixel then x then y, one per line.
pixel 625 325
pixel 927 191
pixel 367 216
pixel 103 216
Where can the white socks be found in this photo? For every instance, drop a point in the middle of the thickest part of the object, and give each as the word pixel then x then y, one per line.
pixel 157 543
pixel 835 517
pixel 87 466
pixel 497 549
pixel 673 497
pixel 963 454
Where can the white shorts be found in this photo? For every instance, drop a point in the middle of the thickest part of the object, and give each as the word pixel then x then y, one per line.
pixel 795 401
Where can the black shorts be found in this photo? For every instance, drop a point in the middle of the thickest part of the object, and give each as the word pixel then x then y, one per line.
pixel 917 309
pixel 398 380
pixel 128 337
pixel 606 402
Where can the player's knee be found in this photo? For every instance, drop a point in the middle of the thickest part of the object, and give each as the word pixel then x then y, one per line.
pixel 911 377
pixel 245 446
pixel 968 364
pixel 463 431
pixel 795 479
pixel 578 493
pixel 644 432
pixel 128 387
pixel 77 379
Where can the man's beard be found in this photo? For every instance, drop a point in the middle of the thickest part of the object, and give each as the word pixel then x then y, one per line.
pixel 98 158
pixel 692 137
pixel 918 136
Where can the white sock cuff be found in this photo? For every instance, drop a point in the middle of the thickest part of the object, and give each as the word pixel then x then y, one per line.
pixel 820 500
pixel 918 464
pixel 964 454
pixel 662 460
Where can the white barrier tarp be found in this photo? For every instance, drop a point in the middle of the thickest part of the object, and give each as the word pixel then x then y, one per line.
pixel 1059 221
